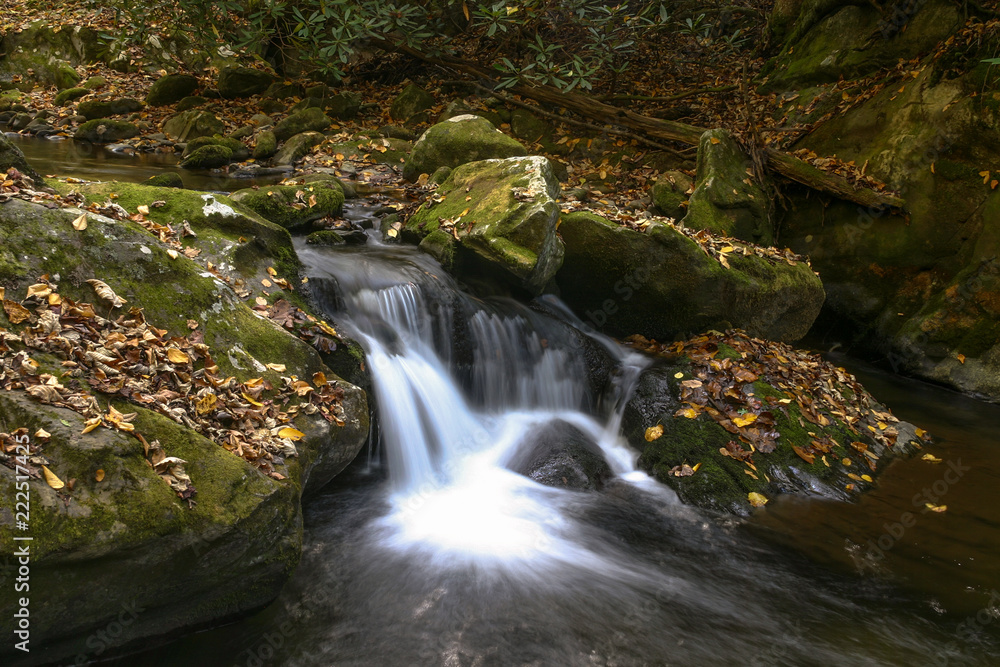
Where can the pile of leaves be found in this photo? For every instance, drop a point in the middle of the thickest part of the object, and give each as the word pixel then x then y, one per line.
pixel 724 387
pixel 173 375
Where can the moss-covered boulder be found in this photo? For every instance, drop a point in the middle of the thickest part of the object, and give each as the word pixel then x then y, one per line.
pixel 192 124
pixel 294 206
pixel 92 109
pixel 411 101
pixel 171 88
pixel 231 550
pixel 660 283
pixel 670 194
pixel 11 156
pixel 307 120
pixel 456 141
pixel 105 131
pixel 9 98
pixel 494 219
pixel 343 106
pixel 168 180
pixel 325 237
pixel 297 147
pixel 208 157
pixel 95 83
pixel 238 148
pixel 721 419
pixel 726 200
pixel 827 41
pixel 237 82
pixel 69 95
pixel 190 102
pixel 265 146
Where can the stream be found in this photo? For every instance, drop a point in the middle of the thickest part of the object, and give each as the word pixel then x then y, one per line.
pixel 432 550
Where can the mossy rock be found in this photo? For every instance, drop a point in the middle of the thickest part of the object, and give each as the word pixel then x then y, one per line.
pixel 11 156
pixel 661 284
pixel 410 102
pixel 95 83
pixel 208 157
pixel 266 145
pixel 456 141
pixel 192 124
pixel 9 98
pixel 280 90
pixel 307 120
pixel 276 203
pixel 237 82
pixel 504 215
pixel 669 194
pixel 725 200
pixel 297 147
pixel 343 106
pixel 190 102
pixel 168 180
pixel 238 148
pixel 171 88
pixel 69 95
pixel 325 237
pixel 93 109
pixel 105 131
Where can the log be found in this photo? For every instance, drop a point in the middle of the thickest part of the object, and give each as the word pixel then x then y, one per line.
pixel 787 165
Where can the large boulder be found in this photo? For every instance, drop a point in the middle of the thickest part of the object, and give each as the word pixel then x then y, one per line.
pixel 192 124
pixel 726 200
pixel 12 157
pixel 171 88
pixel 265 146
pixel 163 564
pixel 236 82
pixel 208 157
pixel 69 95
pixel 410 102
pixel 296 148
pixel 307 120
pixel 291 206
pixel 105 131
pixel 494 218
pixel 456 141
pixel 92 109
pixel 660 283
pixel 731 421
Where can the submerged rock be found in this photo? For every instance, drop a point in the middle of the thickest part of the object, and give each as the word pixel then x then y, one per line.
pixel 457 141
pixel 168 180
pixel 560 455
pixel 494 219
pixel 661 284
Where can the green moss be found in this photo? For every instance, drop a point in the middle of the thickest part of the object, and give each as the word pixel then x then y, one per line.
pixel 275 203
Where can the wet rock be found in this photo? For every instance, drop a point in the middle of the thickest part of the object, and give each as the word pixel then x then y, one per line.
pixel 192 124
pixel 69 95
pixel 171 88
pixel 238 148
pixel 266 146
pixel 457 141
pixel 92 109
pixel 297 147
pixel 325 237
pixel 410 102
pixel 103 130
pixel 21 121
pixel 285 206
pixel 11 156
pixel 396 132
pixel 499 221
pixel 560 455
pixel 208 157
pixel 237 82
pixel 307 120
pixel 661 284
pixel 168 180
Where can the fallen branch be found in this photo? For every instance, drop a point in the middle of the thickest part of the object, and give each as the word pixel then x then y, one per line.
pixel 666 98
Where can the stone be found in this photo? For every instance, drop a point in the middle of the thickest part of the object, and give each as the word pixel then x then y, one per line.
pixel 192 124
pixel 95 83
pixel 455 108
pixel 170 89
pixel 503 216
pixel 670 194
pixel 276 203
pixel 208 157
pixel 456 141
pixel 238 148
pixel 343 106
pixel 723 201
pixel 11 156
pixel 307 120
pixel 297 147
pixel 529 128
pixel 103 130
pixel 266 146
pixel 91 109
pixel 280 90
pixel 410 102
pixel 659 283
pixel 69 95
pixel 237 82
pixel 325 237
pixel 167 180
pixel 560 455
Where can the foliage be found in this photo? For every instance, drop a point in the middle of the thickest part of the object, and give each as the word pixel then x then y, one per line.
pixel 569 44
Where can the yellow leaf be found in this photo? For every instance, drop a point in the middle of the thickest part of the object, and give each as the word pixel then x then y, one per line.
pixel 54 299
pixel 936 508
pixel 930 458
pixel 176 356
pixel 867 478
pixel 291 433
pixel 465 212
pixel 39 290
pixel 654 432
pixel 3 290
pixel 143 209
pixel 690 413
pixel 986 176
pixel 727 248
pixel 91 424
pixel 319 379
pixel 265 282
pixel 254 383
pixel 678 375
pixel 52 480
pixel 391 233
pixel 16 313
pixel 696 466
pixel 756 499
pixel 326 328
pixel 80 223
pixel 271 271
pixel 714 140
pixel 261 301
pixel 846 462
pixel 99 475
pixel 42 434
pixel 277 368
pixel 251 401
pixel 206 404
pixel 961 358
pixel 173 254
pixel 744 420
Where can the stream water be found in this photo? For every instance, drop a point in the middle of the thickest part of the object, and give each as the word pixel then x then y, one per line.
pixel 432 550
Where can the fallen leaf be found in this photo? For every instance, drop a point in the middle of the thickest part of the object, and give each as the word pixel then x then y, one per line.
pixel 936 508
pixel 52 480
pixel 91 424
pixel 678 375
pixel 38 290
pixel 291 433
pixel 143 209
pixel 16 313
pixel 277 368
pixel 756 499
pixel 930 458
pixel 654 432
pixel 42 434
pixel 744 420
pixel 808 457
pixel 80 223
pixel 173 254
pixel 99 475
pixel 176 356
pixel 106 293
pixel 961 358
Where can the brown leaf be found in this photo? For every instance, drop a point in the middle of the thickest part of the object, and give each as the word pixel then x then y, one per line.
pixel 105 292
pixel 52 480
pixel 16 313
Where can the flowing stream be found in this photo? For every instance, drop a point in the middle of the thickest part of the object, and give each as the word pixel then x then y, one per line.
pixel 439 547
